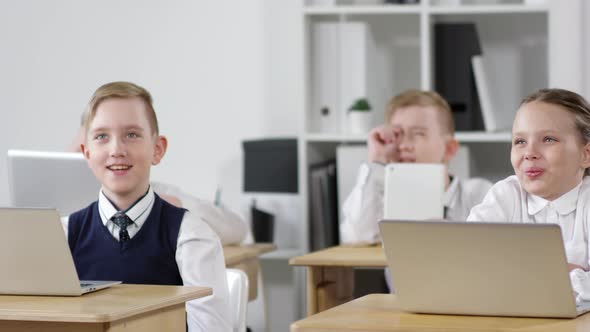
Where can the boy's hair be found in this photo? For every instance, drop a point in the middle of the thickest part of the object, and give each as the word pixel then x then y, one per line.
pixel 415 97
pixel 122 90
pixel 569 100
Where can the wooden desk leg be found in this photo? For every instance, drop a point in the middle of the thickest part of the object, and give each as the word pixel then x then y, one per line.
pixel 328 287
pixel 165 319
pixel 314 279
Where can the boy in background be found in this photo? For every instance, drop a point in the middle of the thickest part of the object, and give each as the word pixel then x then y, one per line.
pixel 419 128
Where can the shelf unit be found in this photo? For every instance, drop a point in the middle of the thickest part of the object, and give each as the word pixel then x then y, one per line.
pixel 462 136
pixel 526 37
pixel 398 54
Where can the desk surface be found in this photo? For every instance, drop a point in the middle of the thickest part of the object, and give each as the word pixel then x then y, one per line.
pixel 380 312
pixel 344 256
pixel 107 305
pixel 237 254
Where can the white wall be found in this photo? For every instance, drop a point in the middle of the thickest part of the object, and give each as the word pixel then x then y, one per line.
pixel 205 63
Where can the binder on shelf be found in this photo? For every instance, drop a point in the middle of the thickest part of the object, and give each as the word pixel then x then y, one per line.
pixel 341 57
pixel 483 93
pixel 325 77
pixel 324 206
pixel 495 118
pixel 454 46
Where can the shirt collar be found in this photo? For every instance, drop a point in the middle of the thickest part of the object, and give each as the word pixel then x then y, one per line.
pixel 564 204
pixel 137 212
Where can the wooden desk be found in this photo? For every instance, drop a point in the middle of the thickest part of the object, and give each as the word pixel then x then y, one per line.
pixel 245 258
pixel 380 312
pixel 330 275
pixel 118 308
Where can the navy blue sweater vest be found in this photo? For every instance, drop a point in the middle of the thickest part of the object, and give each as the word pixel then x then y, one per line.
pixel 147 258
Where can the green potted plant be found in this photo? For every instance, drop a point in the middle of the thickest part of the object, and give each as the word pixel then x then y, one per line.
pixel 359 116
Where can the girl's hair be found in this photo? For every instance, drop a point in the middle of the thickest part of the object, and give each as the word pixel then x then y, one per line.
pixel 120 90
pixel 422 98
pixel 569 100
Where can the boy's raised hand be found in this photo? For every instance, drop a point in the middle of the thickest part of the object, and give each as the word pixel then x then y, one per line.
pixel 383 144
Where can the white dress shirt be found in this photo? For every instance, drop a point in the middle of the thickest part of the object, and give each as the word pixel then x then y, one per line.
pixel 230 228
pixel 507 201
pixel 199 257
pixel 363 208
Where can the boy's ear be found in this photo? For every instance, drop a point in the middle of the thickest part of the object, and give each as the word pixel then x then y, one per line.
pixel 159 149
pixel 451 148
pixel 84 151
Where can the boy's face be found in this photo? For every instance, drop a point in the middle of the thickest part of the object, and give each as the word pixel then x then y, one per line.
pixel 548 155
pixel 420 136
pixel 120 148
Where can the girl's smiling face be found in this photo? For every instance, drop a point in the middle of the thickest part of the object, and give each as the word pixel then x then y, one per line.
pixel 548 154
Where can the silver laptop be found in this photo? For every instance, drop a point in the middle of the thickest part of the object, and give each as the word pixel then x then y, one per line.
pixel 60 180
pixel 414 191
pixel 493 269
pixel 35 256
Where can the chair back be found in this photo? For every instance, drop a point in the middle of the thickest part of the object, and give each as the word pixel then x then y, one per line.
pixel 237 283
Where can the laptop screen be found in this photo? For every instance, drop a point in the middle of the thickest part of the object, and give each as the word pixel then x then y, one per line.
pixel 60 180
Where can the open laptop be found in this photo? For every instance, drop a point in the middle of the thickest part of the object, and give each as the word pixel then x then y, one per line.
pixel 60 180
pixel 35 256
pixel 414 191
pixel 493 269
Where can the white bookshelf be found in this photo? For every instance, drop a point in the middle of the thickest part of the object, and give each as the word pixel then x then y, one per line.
pixel 403 36
pixel 427 9
pixel 462 137
pixel 487 9
pixel 366 10
pixel 514 35
pixel 483 137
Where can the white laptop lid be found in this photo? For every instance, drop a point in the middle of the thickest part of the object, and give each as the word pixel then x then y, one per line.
pixel 60 180
pixel 479 268
pixel 414 191
pixel 34 254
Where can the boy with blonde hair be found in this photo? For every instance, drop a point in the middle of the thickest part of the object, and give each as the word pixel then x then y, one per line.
pixel 419 128
pixel 130 233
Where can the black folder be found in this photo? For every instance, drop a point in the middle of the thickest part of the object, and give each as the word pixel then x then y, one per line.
pixel 454 46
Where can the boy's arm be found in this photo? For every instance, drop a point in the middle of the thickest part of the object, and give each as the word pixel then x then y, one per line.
pixel 363 208
pixel 200 260
pixel 230 227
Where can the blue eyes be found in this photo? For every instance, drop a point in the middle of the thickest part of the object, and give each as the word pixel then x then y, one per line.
pixel 520 141
pixel 100 137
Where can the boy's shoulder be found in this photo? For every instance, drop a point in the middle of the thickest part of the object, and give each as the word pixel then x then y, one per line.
pixel 194 225
pixel 85 211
